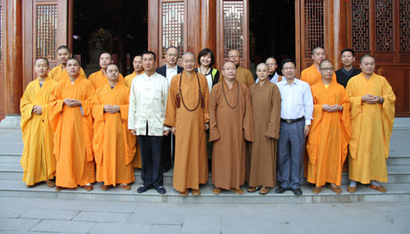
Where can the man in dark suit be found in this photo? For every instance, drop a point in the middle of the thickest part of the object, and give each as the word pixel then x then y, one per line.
pixel 344 74
pixel 169 70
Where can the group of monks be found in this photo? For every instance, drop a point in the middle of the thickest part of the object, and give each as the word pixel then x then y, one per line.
pixel 77 131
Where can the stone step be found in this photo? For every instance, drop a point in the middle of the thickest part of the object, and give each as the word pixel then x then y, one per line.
pixel 395 192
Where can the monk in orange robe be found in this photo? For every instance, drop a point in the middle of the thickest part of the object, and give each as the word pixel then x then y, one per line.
pixel 99 78
pixel 266 107
pixel 330 131
pixel 243 75
pixel 187 115
pixel 312 74
pixel 372 115
pixel 72 123
pixel 59 72
pixel 37 160
pixel 231 123
pixel 114 145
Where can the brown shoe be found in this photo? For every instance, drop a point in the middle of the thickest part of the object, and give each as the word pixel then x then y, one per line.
pixel 105 187
pixel 317 190
pixel 336 189
pixel 217 191
pixel 50 183
pixel 352 189
pixel 377 188
pixel 88 187
pixel 184 193
pixel 58 188
pixel 253 189
pixel 126 187
pixel 263 191
pixel 238 191
pixel 196 192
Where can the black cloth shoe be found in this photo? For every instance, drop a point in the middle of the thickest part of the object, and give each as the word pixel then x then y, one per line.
pixel 143 189
pixel 297 192
pixel 280 190
pixel 161 190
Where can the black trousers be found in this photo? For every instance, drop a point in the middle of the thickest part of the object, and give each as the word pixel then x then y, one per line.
pixel 168 151
pixel 151 151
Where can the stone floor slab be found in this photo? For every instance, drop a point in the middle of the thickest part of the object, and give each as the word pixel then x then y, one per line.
pixel 55 214
pixel 63 226
pixel 102 217
pixel 109 228
pixel 17 224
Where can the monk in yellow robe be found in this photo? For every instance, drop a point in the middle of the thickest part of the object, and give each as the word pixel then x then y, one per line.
pixel 231 123
pixel 372 115
pixel 99 78
pixel 59 72
pixel 266 100
pixel 329 133
pixel 243 75
pixel 113 143
pixel 138 70
pixel 72 123
pixel 37 160
pixel 187 115
pixel 312 74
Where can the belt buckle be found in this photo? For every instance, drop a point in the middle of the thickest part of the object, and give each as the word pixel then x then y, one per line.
pixel 288 121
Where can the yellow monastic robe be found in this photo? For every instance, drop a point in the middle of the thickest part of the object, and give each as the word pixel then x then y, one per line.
pixel 229 128
pixel 113 143
pixel 266 107
pixel 372 125
pixel 329 135
pixel 243 75
pixel 58 73
pixel 98 79
pixel 73 133
pixel 128 79
pixel 37 160
pixel 191 161
pixel 311 75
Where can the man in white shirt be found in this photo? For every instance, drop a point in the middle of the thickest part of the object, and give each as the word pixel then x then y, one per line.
pixel 296 116
pixel 169 70
pixel 148 100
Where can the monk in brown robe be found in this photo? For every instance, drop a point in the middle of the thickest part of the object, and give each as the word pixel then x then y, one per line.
pixel 99 78
pixel 37 160
pixel 114 145
pixel 72 123
pixel 265 97
pixel 312 74
pixel 187 115
pixel 138 70
pixel 59 72
pixel 330 131
pixel 243 75
pixel 231 119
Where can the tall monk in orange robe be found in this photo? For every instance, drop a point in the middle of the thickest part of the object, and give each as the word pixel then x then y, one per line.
pixel 72 123
pixel 372 115
pixel 312 75
pixel 59 72
pixel 266 107
pixel 231 123
pixel 187 115
pixel 329 133
pixel 99 78
pixel 113 143
pixel 138 70
pixel 37 160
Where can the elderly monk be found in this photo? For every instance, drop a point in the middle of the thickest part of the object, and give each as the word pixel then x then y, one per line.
pixel 187 115
pixel 72 123
pixel 37 160
pixel 138 70
pixel 243 75
pixel 113 144
pixel 99 78
pixel 59 72
pixel 273 76
pixel 231 123
pixel 265 97
pixel 372 114
pixel 330 131
pixel 312 74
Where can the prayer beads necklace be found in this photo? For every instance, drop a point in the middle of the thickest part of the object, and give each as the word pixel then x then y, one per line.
pixel 200 99
pixel 237 97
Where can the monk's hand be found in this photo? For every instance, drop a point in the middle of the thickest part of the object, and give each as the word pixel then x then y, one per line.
pixel 206 126
pixel 37 110
pixel 67 102
pixel 306 132
pixel 334 108
pixel 368 98
pixel 378 99
pixel 134 132
pixel 173 130
pixel 76 102
pixel 107 108
pixel 166 132
pixel 326 107
pixel 115 108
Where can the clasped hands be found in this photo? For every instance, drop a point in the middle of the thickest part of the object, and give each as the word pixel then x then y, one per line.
pixel 332 108
pixel 112 109
pixel 372 99
pixel 72 102
pixel 37 110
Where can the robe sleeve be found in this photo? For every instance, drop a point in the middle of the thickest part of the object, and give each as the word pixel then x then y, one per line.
pixel 213 105
pixel 98 139
pixel 345 123
pixel 388 114
pixel 248 117
pixel 26 108
pixel 87 103
pixel 314 139
pixel 56 108
pixel 165 99
pixel 130 139
pixel 87 114
pixel 205 94
pixel 355 116
pixel 274 115
pixel 170 113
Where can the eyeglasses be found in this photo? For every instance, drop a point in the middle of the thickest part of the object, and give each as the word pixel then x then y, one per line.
pixel 328 69
pixel 271 64
pixel 172 55
pixel 288 68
